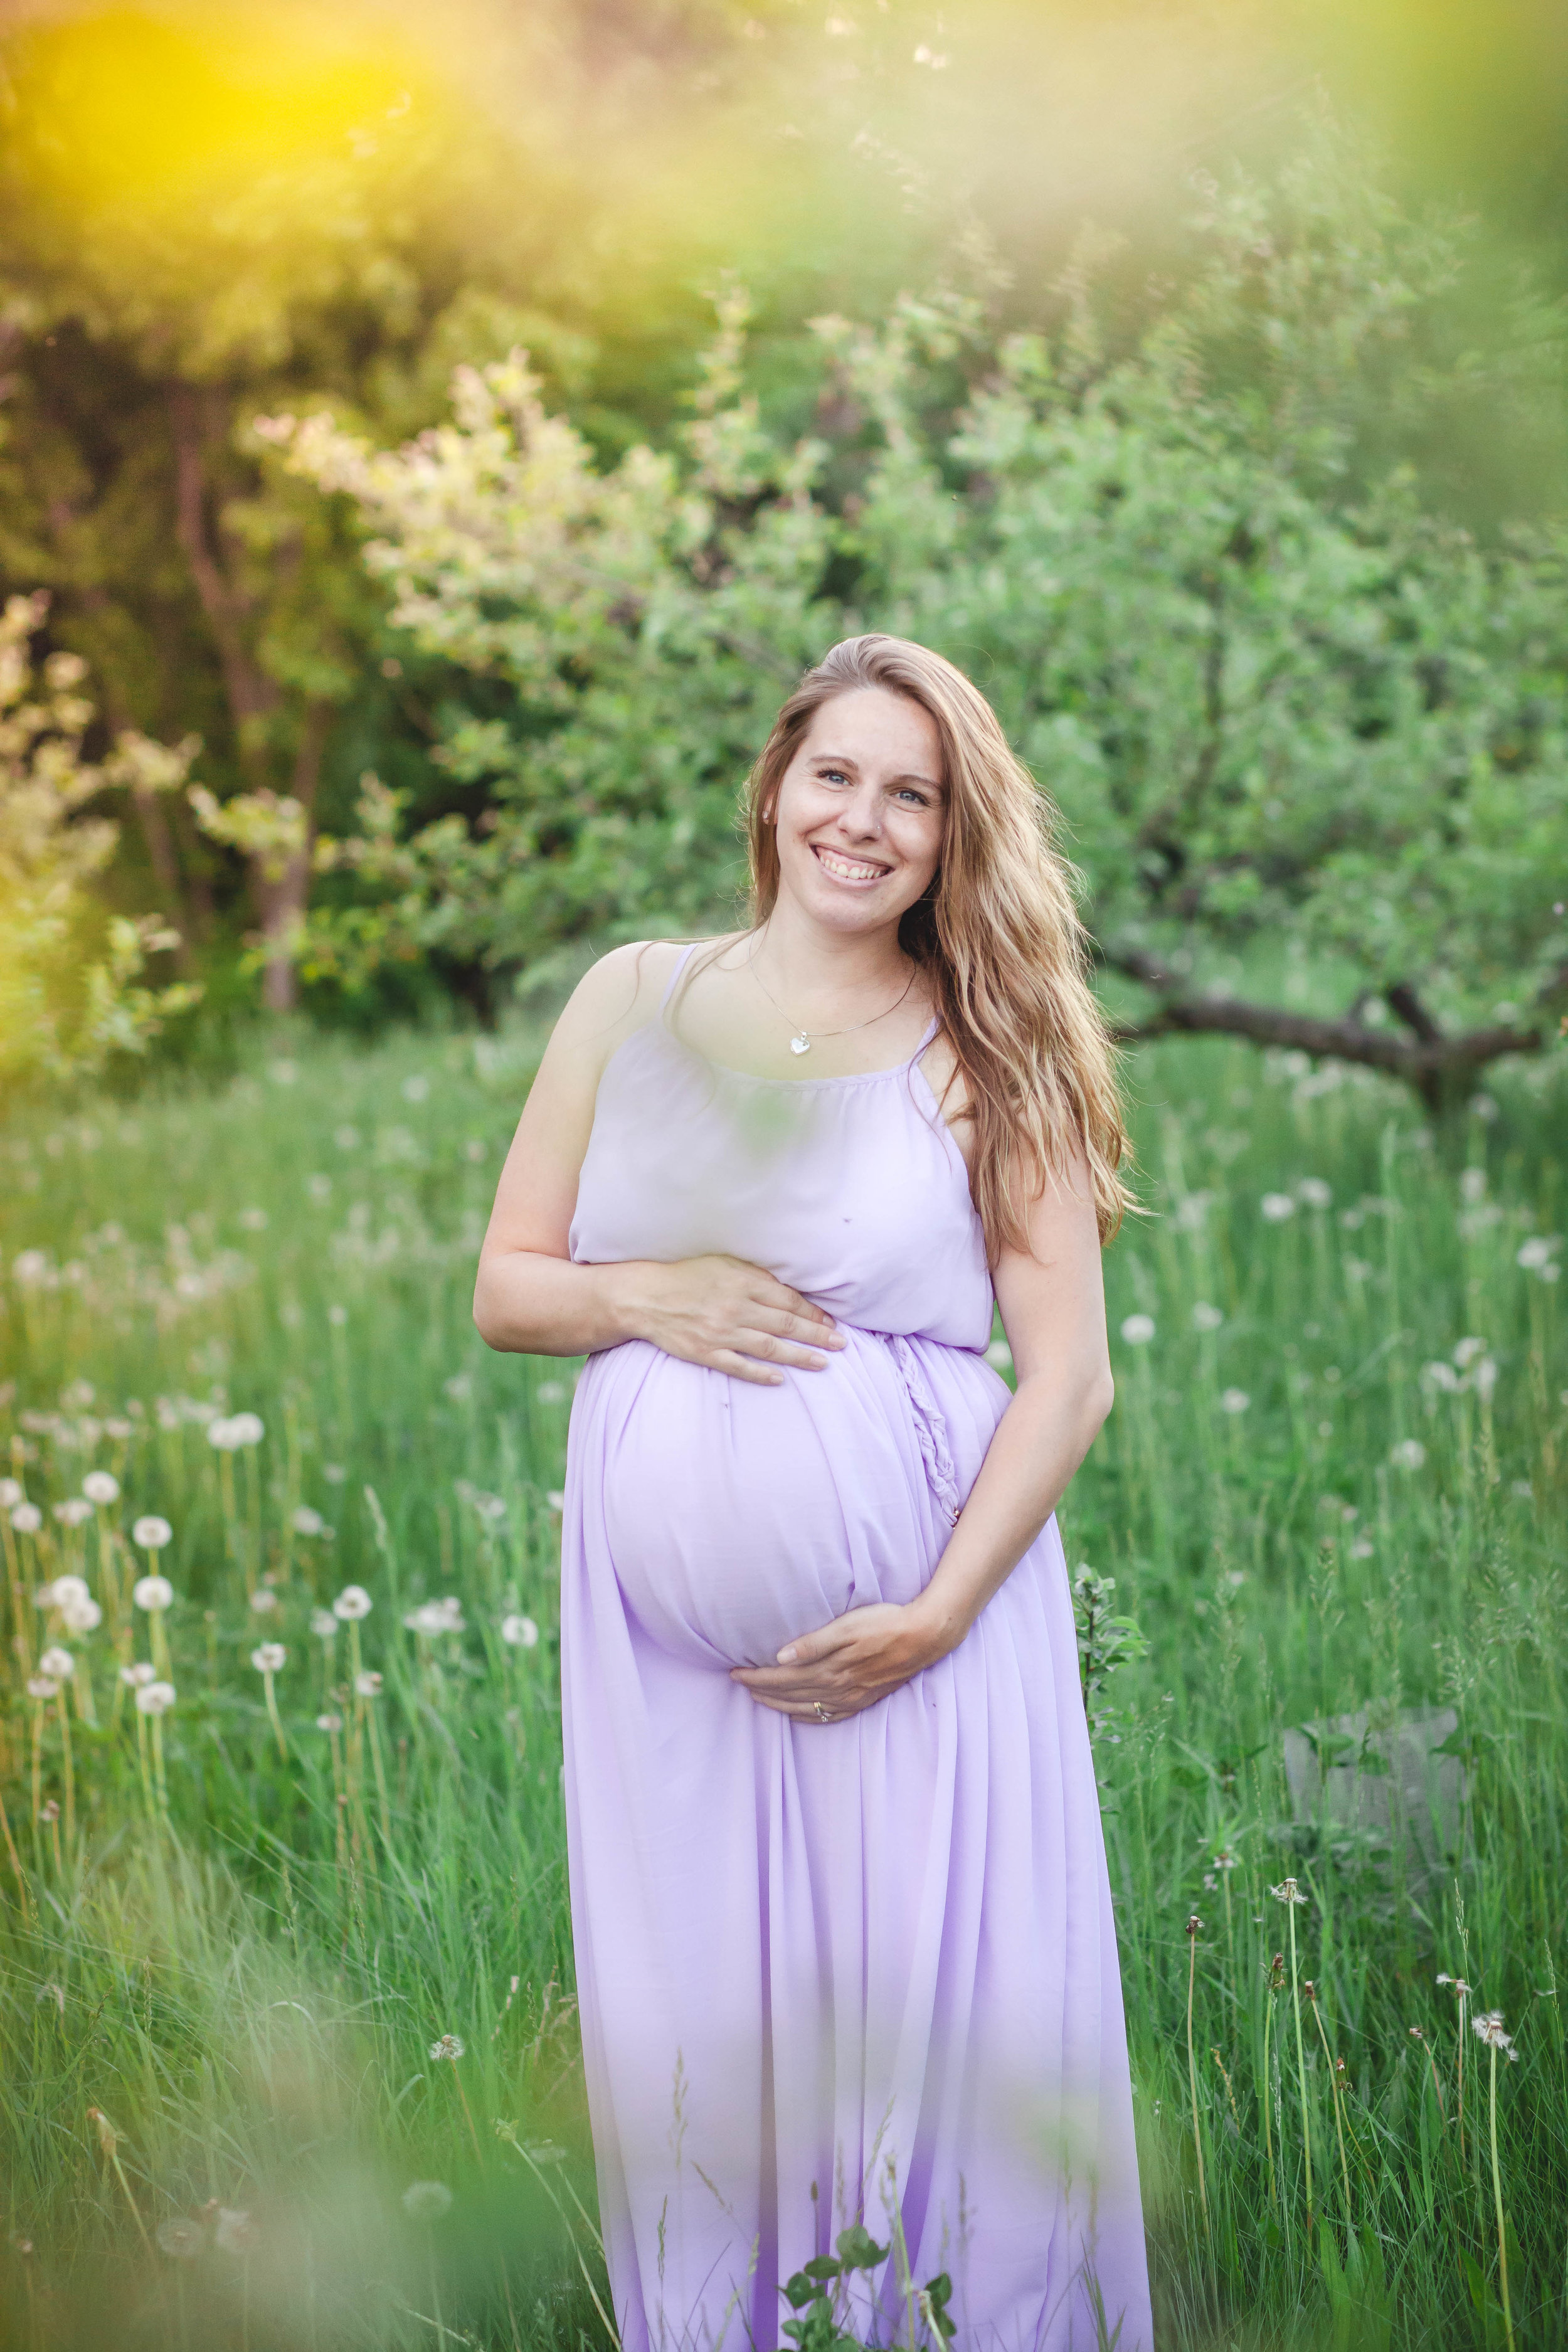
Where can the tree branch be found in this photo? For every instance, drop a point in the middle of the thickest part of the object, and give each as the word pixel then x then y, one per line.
pixel 251 693
pixel 1435 1065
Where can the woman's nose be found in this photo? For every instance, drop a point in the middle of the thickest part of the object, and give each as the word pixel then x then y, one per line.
pixel 862 814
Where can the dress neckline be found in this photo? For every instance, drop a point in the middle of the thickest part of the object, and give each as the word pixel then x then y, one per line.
pixel 750 1077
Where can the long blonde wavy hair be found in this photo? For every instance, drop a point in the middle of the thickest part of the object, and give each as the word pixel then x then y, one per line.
pixel 996 935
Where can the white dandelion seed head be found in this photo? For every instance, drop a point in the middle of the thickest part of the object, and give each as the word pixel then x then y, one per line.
pixel 368 1684
pixel 1138 1329
pixel 329 1723
pixel 182 2238
pixel 1467 1350
pixel 1439 1375
pixel 152 1592
pixel 268 1657
pixel 520 1631
pixel 27 1518
pixel 1288 1892
pixel 155 1698
pixel 1408 1454
pixel 233 2232
pixel 1277 1207
pixel 79 1612
pixel 40 1686
pixel 1313 1193
pixel 12 1492
pixel 1234 1400
pixel 152 1532
pixel 323 1624
pixel 1537 1254
pixel 551 1391
pixel 449 2047
pixel 1205 1317
pixel 352 1603
pixel 57 1663
pixel 556 1499
pixel 263 1601
pixel 67 1589
pixel 74 1512
pixel 138 1675
pixel 1487 2026
pixel 100 1486
pixel 306 1522
pixel 427 2200
pixel 489 1507
pixel 247 1429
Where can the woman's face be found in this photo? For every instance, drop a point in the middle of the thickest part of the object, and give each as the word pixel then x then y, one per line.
pixel 861 811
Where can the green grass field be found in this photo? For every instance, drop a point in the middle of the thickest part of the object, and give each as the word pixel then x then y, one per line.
pixel 234 1934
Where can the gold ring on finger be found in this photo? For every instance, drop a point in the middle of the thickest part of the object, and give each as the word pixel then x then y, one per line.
pixel 822 1713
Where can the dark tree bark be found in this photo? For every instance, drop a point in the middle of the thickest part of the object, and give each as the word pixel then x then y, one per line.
pixel 1438 1065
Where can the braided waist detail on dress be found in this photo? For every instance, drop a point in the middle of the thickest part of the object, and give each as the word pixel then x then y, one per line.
pixel 930 1427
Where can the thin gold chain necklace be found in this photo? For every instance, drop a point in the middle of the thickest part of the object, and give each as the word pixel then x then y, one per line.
pixel 800 1041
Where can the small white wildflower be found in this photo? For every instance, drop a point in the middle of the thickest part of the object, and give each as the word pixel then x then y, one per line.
pixel 100 1486
pixel 152 1592
pixel 152 1532
pixel 233 2232
pixel 308 1522
pixel 253 1221
pixel 556 1499
pixel 337 1317
pixel 12 1492
pixel 135 1676
pixel 333 1473
pixel 74 1512
pixel 1234 1400
pixel 268 1657
pixel 1466 1351
pixel 1362 1548
pixel 998 1355
pixel 1408 1454
pixel 551 1391
pixel 1205 1317
pixel 521 1633
pixel 1439 1375
pixel 27 1518
pixel 155 1698
pixel 247 1429
pixel 367 1683
pixel 1138 1329
pixel 1536 1253
pixel 459 1388
pixel 1314 1193
pixel 1473 1186
pixel 264 1600
pixel 329 1723
pixel 57 1663
pixel 323 1624
pixel 40 1686
pixel 427 2200
pixel 1277 1207
pixel 449 2047
pixel 353 1602
pixel 489 1507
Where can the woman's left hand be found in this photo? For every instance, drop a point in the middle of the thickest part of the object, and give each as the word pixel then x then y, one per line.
pixel 848 1665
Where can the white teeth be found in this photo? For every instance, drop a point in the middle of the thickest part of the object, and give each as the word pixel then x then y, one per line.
pixel 848 869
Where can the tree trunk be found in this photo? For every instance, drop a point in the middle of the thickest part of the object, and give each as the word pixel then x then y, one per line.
pixel 281 896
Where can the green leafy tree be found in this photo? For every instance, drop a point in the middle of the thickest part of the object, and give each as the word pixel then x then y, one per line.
pixel 1273 694
pixel 72 991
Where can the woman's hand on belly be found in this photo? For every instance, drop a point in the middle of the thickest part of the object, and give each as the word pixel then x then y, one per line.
pixel 722 1313
pixel 848 1665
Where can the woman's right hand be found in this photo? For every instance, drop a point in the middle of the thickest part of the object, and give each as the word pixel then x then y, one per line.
pixel 732 1316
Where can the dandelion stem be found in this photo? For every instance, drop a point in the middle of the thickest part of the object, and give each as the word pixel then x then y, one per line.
pixel 1300 2065
pixel 1335 2087
pixel 1193 2077
pixel 23 1896
pixel 274 1717
pixel 1268 2102
pixel 69 1769
pixel 1497 2200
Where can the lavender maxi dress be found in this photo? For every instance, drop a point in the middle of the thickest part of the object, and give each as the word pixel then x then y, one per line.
pixel 861 1971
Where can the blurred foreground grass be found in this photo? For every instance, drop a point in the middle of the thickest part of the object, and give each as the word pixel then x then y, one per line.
pixel 236 1934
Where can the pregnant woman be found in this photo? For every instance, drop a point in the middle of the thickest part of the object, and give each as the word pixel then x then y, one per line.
pixel 843 1928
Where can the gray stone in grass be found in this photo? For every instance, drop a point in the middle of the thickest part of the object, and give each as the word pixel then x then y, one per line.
pixel 1390 1791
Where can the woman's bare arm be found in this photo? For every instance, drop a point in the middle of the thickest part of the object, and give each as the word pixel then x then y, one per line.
pixel 1052 1302
pixel 530 1298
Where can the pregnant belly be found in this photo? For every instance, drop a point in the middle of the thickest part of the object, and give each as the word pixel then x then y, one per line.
pixel 735 1516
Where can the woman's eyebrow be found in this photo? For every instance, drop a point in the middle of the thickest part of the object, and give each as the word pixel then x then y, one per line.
pixel 845 759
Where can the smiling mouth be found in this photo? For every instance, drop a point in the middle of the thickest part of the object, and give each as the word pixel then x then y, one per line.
pixel 848 869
